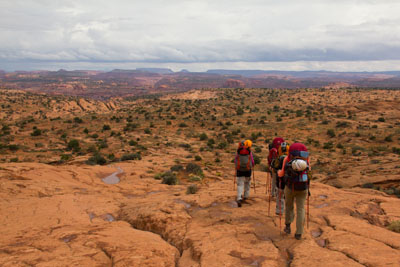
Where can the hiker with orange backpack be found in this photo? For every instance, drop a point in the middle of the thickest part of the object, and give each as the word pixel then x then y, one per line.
pixel 244 164
pixel 296 175
pixel 279 150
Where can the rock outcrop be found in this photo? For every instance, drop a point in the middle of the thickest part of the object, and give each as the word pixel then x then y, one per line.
pixel 66 215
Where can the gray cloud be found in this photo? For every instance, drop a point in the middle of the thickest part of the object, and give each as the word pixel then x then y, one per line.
pixel 191 32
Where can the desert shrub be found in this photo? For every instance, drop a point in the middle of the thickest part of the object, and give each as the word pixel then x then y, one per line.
pixel 132 143
pixel 195 178
pixel 176 168
pixel 13 147
pixel 342 124
pixel 132 156
pixel 182 124
pixel 192 189
pixel 394 226
pixel 197 158
pixel 239 111
pixel 78 120
pixel 203 136
pixel 186 146
pixel 36 132
pixel 328 145
pixel 96 159
pixel 257 149
pixel 381 119
pixel 169 178
pixel 73 145
pixel 339 145
pixel 257 159
pixel 106 127
pixel 195 169
pixel 396 150
pixel 388 138
pixel 65 157
pixel 368 185
pixel 222 145
pixel 331 133
pixel 299 113
pixel 94 136
pixel 147 131
pixel 130 127
pixel 86 131
pixel 102 144
pixel 14 160
pixel 210 142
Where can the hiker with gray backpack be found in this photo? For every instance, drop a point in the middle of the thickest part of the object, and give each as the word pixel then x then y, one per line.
pixel 244 164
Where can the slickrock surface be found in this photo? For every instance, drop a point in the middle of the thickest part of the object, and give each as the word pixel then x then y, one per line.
pixel 67 216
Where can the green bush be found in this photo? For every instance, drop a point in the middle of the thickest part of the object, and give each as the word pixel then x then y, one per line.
pixel 96 159
pixel 331 133
pixel 195 169
pixel 394 226
pixel 192 189
pixel 133 156
pixel 106 127
pixel 203 136
pixel 197 158
pixel 328 145
pixel 368 185
pixel 73 145
pixel 13 147
pixel 36 132
pixel 65 157
pixel 78 120
pixel 388 138
pixel 169 178
pixel 176 168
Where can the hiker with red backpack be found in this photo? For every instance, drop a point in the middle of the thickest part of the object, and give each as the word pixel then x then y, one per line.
pixel 244 164
pixel 296 175
pixel 278 151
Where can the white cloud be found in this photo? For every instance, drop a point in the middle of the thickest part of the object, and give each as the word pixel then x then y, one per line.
pixel 160 31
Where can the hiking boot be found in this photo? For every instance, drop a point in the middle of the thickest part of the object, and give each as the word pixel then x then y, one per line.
pixel 297 236
pixel 239 202
pixel 287 229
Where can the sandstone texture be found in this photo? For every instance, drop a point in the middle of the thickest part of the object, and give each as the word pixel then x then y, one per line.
pixel 67 216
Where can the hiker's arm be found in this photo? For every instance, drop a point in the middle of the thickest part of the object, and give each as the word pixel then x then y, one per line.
pixel 308 162
pixel 281 172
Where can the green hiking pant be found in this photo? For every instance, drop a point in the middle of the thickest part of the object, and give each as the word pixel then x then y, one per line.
pixel 300 197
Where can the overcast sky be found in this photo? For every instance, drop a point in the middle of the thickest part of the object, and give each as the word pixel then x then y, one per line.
pixel 199 35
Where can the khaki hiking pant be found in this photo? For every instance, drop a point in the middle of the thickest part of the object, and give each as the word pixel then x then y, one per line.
pixel 300 197
pixel 243 183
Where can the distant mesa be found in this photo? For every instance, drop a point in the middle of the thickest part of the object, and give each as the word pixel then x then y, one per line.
pixel 156 70
pixel 232 83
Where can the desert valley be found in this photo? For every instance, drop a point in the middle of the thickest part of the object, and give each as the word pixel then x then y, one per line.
pixel 117 171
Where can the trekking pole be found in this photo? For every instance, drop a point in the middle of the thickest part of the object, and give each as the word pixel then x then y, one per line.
pixel 308 208
pixel 254 183
pixel 269 200
pixel 266 184
pixel 280 209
